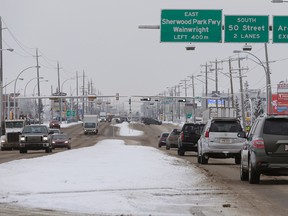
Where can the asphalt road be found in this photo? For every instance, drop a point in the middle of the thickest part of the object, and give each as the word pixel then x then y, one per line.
pixel 241 198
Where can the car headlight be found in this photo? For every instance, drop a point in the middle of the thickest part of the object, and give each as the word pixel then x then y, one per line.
pixel 45 138
pixel 3 141
pixel 22 138
pixel 53 142
pixel 66 142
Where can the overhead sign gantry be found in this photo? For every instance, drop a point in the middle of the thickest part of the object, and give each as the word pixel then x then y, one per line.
pixel 191 26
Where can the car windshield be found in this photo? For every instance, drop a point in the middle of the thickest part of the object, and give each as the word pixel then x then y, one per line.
pixel 225 126
pixel 276 126
pixel 60 137
pixel 90 125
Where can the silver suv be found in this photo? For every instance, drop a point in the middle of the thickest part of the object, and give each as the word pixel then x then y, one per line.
pixel 266 149
pixel 219 140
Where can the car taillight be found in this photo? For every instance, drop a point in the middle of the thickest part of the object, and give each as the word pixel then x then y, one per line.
pixel 182 136
pixel 259 144
pixel 207 133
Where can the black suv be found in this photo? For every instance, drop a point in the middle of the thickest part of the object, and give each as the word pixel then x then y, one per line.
pixel 189 136
pixel 265 150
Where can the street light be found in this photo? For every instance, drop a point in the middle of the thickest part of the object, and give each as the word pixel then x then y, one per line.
pixel 268 81
pixel 29 82
pixel 14 103
pixel 38 99
pixel 60 99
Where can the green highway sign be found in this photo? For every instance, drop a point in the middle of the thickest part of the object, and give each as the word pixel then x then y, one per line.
pixel 247 29
pixel 191 26
pixel 280 29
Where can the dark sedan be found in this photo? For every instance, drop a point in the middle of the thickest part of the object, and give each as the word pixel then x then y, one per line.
pixel 60 141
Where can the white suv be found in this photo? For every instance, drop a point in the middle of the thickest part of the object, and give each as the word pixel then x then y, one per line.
pixel 219 140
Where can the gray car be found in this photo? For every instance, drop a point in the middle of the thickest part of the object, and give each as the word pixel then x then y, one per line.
pixel 35 137
pixel 172 139
pixel 265 150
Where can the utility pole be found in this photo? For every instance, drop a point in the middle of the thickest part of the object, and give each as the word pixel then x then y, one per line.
pixel 38 85
pixel 206 84
pixel 59 93
pixel 1 83
pixel 242 95
pixel 83 92
pixel 77 113
pixel 216 80
pixel 268 83
pixel 231 83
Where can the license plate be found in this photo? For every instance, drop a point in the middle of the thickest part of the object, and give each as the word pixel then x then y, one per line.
pixel 225 141
pixel 286 147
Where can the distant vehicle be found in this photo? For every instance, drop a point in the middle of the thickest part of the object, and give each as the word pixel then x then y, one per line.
pixel 265 150
pixel 90 124
pixel 172 139
pixel 103 116
pixel 148 121
pixel 35 137
pixel 60 141
pixel 219 140
pixel 55 130
pixel 54 124
pixel 13 128
pixel 189 136
pixel 162 139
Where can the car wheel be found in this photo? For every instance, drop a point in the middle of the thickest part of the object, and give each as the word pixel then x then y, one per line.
pixel 244 175
pixel 181 152
pixel 167 147
pixel 23 151
pixel 238 159
pixel 159 145
pixel 204 160
pixel 198 158
pixel 48 150
pixel 254 175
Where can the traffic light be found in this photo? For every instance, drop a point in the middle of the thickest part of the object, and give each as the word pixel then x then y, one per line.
pixel 146 99
pixel 182 100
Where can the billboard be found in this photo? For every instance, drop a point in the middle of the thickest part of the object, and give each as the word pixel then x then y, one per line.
pixel 282 98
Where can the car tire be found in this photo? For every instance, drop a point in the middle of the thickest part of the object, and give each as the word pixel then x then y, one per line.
pixel 181 152
pixel 254 175
pixel 238 159
pixel 159 145
pixel 48 150
pixel 167 147
pixel 244 175
pixel 198 158
pixel 23 151
pixel 203 159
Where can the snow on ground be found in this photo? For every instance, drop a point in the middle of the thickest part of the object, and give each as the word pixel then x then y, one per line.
pixel 107 178
pixel 125 130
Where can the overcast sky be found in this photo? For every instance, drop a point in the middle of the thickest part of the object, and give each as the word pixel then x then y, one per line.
pixel 102 38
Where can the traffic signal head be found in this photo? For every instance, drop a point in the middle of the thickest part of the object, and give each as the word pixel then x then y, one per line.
pixel 182 100
pixel 146 99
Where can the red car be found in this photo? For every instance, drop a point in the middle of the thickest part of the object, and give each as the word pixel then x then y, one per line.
pixel 162 139
pixel 60 141
pixel 54 124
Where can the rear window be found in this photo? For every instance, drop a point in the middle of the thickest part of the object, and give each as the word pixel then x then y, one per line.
pixel 276 126
pixel 225 126
pixel 165 135
pixel 193 128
